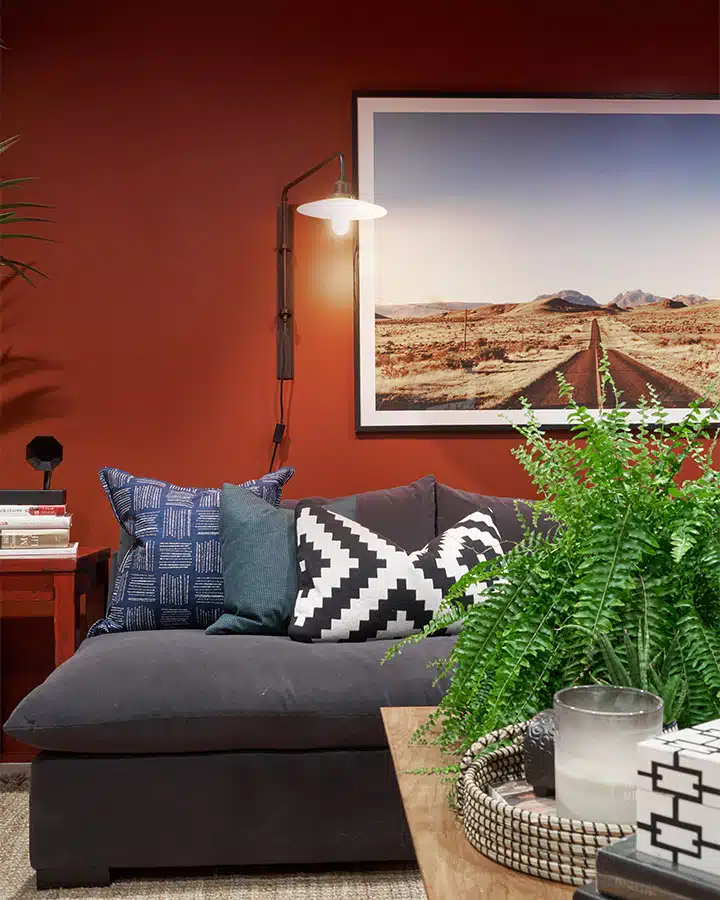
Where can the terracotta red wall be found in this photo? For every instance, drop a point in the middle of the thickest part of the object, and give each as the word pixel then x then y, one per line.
pixel 162 133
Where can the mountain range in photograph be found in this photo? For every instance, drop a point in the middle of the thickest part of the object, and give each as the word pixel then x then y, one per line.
pixel 626 300
pixel 452 355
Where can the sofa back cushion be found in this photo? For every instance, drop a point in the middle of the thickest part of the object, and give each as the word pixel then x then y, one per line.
pixel 454 504
pixel 405 515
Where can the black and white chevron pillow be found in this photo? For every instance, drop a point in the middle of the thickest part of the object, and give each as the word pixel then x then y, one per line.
pixel 355 585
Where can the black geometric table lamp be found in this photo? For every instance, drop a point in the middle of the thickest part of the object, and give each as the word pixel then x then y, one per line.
pixel 44 453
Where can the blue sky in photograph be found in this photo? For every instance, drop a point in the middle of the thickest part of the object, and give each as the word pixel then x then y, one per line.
pixel 501 207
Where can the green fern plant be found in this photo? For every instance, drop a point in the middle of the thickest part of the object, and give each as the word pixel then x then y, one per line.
pixel 624 589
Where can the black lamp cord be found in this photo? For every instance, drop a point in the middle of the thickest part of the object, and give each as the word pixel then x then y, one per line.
pixel 279 432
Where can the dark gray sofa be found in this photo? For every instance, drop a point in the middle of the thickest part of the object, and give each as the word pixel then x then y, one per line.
pixel 177 748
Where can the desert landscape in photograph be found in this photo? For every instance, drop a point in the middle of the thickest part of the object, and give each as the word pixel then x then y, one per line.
pixel 488 356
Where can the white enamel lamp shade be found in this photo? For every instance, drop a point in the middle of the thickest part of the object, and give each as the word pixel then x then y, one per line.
pixel 342 209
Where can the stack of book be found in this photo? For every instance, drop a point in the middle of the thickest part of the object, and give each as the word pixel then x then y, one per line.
pixel 624 873
pixel 35 524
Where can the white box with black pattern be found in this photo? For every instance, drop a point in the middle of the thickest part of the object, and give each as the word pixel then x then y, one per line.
pixel 678 797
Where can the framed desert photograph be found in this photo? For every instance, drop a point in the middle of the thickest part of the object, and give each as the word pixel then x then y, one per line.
pixel 530 236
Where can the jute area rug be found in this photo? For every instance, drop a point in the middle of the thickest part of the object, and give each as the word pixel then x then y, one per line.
pixel 17 879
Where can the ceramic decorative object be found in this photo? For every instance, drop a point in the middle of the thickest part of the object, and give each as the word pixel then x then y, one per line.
pixel 539 753
pixel 598 729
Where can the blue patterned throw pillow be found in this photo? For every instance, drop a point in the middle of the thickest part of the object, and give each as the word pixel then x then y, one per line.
pixel 172 576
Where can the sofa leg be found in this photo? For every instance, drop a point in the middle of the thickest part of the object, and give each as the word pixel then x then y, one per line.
pixel 70 878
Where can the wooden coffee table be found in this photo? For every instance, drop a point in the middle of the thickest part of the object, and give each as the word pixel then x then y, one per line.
pixel 451 868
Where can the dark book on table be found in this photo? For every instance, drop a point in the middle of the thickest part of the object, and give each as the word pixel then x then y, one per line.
pixel 32 498
pixel 625 874
pixel 587 892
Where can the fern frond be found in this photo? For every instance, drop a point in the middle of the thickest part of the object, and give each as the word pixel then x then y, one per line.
pixel 701 648
pixel 683 539
pixel 529 643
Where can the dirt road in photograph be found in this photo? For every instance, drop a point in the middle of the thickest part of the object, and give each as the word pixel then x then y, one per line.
pixel 582 371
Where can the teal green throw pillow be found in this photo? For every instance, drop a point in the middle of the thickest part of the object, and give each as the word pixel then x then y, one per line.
pixel 259 562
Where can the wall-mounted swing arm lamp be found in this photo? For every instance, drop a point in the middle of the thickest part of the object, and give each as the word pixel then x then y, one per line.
pixel 342 208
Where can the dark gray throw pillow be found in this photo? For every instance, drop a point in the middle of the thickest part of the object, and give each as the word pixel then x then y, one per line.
pixel 405 515
pixel 454 504
pixel 258 562
pixel 125 544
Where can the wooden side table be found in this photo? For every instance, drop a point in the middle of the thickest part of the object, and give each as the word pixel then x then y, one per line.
pixel 70 591
pixel 451 868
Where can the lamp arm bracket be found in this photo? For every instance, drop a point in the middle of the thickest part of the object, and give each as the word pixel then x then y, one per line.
pixel 312 171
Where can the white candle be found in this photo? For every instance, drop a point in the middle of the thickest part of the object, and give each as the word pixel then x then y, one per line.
pixel 593 796
pixel 598 728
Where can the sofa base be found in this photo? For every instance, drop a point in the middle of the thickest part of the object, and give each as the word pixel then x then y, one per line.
pixel 71 878
pixel 91 814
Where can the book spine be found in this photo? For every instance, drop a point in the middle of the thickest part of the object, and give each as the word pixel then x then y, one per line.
pixel 32 510
pixel 34 522
pixel 40 552
pixel 622 888
pixel 33 498
pixel 25 539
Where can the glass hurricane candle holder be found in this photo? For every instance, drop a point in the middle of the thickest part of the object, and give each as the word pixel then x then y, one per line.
pixel 598 728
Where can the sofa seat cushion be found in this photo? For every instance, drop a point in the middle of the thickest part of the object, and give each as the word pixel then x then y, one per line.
pixel 186 691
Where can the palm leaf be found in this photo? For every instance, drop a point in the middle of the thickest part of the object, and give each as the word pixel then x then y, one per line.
pixel 14 182
pixel 7 143
pixel 20 268
pixel 5 218
pixel 30 237
pixel 25 205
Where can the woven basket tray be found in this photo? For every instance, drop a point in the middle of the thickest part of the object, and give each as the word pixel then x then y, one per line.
pixel 545 846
